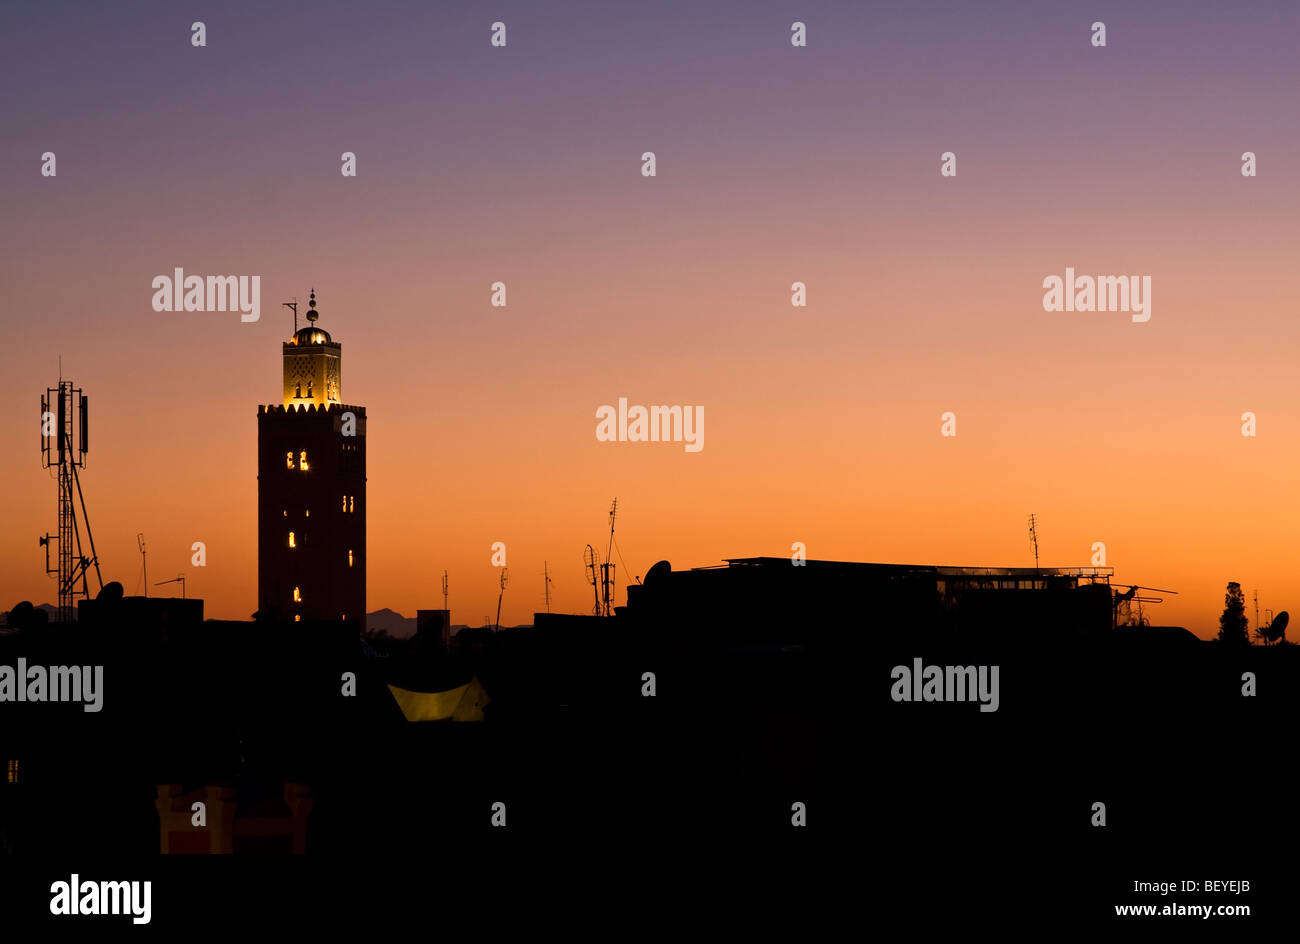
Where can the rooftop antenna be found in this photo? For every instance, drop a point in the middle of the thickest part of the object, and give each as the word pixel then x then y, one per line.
pixel 1131 596
pixel 444 590
pixel 499 596
pixel 144 562
pixel 591 562
pixel 607 568
pixel 1033 537
pixel 294 306
pixel 180 579
pixel 68 425
pixel 546 577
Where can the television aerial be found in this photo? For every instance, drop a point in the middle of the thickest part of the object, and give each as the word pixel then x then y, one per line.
pixel 1130 595
pixel 179 578
pixel 591 564
pixel 499 596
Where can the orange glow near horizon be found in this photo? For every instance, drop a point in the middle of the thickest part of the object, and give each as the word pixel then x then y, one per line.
pixel 1124 434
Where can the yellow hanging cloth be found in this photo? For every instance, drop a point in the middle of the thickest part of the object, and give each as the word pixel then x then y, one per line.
pixel 463 703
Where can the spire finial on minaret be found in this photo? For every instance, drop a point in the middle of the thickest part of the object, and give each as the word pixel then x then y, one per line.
pixel 312 313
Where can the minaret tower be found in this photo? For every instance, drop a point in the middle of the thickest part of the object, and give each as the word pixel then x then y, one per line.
pixel 311 488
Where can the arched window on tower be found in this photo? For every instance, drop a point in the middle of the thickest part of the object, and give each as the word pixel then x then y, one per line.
pixel 288 460
pixel 302 460
pixel 297 391
pixel 309 395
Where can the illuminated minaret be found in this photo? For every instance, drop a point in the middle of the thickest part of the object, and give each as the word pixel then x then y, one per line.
pixel 311 488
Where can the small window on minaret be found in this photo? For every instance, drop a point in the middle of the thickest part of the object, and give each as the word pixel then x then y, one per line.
pixel 292 541
pixel 297 391
pixel 350 508
pixel 349 557
pixel 288 460
pixel 302 460
pixel 297 595
pixel 297 617
pixel 309 395
pixel 12 773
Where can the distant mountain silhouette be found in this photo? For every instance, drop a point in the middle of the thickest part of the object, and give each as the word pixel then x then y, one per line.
pixel 391 622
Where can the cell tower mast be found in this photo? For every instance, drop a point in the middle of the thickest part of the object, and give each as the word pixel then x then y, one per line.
pixel 65 410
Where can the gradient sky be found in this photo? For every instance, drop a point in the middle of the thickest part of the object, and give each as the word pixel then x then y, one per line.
pixel 775 164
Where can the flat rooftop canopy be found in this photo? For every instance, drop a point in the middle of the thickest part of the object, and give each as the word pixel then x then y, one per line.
pixel 1027 572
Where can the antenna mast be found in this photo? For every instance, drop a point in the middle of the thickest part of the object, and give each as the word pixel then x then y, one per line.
pixel 590 564
pixel 1033 537
pixel 607 568
pixel 68 425
pixel 144 561
pixel 180 579
pixel 500 595
pixel 444 590
pixel 546 577
pixel 294 306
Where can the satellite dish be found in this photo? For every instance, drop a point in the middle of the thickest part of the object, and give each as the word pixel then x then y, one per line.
pixel 589 564
pixel 110 591
pixel 1274 630
pixel 659 571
